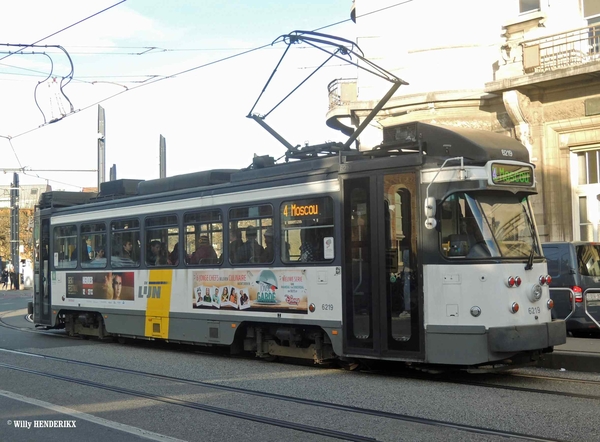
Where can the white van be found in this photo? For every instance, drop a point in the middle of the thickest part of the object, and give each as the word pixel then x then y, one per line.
pixel 26 272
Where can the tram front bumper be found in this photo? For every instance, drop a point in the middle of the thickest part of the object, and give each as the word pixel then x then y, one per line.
pixel 527 337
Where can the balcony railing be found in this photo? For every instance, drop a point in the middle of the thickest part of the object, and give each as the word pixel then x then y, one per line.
pixel 342 92
pixel 562 50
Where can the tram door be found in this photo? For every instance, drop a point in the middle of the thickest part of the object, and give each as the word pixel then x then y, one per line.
pixel 382 311
pixel 42 299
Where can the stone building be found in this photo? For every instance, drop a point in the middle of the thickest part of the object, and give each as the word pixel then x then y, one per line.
pixel 529 69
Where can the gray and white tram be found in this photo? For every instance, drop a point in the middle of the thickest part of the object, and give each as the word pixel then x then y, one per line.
pixel 423 250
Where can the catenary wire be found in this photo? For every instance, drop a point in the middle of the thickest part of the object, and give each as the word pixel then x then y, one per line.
pixel 185 71
pixel 63 29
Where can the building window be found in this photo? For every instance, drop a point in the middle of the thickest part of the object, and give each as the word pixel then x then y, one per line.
pixel 587 167
pixel 528 6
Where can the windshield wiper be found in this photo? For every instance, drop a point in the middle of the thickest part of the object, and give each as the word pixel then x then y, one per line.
pixel 532 231
pixel 529 265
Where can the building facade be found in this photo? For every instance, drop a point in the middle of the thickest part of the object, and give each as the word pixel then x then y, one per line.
pixel 29 195
pixel 529 69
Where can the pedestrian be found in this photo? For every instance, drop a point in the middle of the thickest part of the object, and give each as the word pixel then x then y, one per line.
pixel 12 275
pixel 4 278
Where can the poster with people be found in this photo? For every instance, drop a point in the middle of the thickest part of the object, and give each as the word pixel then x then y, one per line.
pixel 101 285
pixel 256 290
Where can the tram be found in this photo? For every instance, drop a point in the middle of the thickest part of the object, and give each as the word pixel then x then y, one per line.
pixel 422 250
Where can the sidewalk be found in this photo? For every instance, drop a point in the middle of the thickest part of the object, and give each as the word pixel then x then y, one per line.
pixel 16 293
pixel 578 354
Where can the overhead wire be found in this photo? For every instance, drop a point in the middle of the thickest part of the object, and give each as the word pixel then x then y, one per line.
pixel 63 29
pixel 61 85
pixel 185 71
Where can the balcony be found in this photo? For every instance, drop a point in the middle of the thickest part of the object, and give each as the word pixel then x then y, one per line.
pixel 547 61
pixel 342 94
pixel 561 51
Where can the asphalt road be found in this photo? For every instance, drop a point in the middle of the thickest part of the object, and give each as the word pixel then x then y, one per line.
pixel 144 391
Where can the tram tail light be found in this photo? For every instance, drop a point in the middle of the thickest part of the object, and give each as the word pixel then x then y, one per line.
pixel 513 281
pixel 514 308
pixel 578 293
pixel 550 304
pixel 545 279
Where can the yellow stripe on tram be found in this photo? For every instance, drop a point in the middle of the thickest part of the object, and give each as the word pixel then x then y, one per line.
pixel 158 303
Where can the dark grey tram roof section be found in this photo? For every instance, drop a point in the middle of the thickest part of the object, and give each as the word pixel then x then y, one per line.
pixel 479 146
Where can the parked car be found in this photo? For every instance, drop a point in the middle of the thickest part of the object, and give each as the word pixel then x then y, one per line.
pixel 575 266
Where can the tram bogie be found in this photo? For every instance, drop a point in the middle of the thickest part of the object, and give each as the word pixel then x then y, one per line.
pixel 422 251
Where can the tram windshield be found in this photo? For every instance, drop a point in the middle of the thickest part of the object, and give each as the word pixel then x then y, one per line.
pixel 478 225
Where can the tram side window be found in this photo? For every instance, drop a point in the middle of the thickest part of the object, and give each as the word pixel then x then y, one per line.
pixel 65 247
pixel 162 240
pixel 203 237
pixel 125 243
pixel 307 230
pixel 248 227
pixel 93 251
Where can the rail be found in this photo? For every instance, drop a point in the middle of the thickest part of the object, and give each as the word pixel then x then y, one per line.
pixel 562 50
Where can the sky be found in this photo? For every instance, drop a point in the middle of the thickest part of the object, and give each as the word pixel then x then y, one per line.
pixel 125 59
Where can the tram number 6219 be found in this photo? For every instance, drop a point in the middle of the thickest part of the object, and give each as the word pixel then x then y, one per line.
pixel 326 306
pixel 534 310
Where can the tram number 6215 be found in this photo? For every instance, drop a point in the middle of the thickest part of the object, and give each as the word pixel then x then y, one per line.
pixel 534 310
pixel 326 306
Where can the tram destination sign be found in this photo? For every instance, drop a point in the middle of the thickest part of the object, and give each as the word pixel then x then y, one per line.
pixel 512 174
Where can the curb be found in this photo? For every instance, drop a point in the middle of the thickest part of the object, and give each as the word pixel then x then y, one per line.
pixel 584 362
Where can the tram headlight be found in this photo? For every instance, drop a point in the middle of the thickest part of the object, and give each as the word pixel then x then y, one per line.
pixel 536 293
pixel 475 311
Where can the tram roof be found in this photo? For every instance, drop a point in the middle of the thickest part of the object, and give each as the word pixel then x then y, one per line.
pixel 411 144
pixel 475 145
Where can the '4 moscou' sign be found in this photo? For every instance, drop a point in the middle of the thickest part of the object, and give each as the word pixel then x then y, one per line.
pixel 512 174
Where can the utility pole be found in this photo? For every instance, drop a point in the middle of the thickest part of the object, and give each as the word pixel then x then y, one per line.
pixel 14 227
pixel 162 152
pixel 101 146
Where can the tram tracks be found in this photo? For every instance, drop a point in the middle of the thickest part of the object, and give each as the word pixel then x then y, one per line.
pixel 404 374
pixel 328 406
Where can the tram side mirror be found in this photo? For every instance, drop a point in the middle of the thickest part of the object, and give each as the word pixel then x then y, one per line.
pixel 430 221
pixel 429 207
